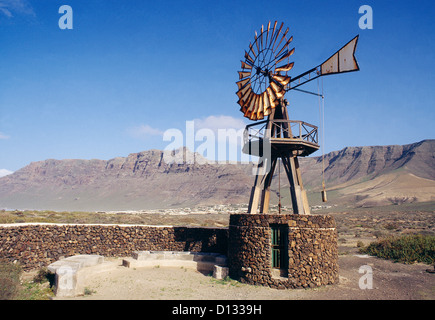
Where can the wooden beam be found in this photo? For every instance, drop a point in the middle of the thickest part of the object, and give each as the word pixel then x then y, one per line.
pixel 256 189
pixel 265 198
pixel 305 204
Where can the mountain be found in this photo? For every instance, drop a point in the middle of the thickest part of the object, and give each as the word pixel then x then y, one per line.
pixel 353 163
pixel 359 175
pixel 377 175
pixel 140 181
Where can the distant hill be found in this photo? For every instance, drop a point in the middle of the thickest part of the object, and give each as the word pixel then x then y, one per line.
pixel 362 176
pixel 378 175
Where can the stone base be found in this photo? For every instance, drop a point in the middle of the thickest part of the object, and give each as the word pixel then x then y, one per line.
pixel 311 254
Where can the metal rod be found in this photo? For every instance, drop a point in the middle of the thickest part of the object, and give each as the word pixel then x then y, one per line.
pixel 312 74
pixel 309 92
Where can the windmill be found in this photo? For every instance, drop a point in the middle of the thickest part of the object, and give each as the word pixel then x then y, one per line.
pixel 263 83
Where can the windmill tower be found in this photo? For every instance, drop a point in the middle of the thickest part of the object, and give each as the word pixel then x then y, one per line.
pixel 263 83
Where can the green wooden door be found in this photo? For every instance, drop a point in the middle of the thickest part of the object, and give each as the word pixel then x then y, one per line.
pixel 279 236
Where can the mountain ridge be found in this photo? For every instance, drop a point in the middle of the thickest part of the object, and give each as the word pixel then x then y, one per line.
pixel 144 180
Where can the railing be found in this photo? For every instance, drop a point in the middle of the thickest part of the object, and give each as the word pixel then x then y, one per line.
pixel 286 129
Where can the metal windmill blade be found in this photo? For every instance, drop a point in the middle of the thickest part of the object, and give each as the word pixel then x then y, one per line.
pixel 263 78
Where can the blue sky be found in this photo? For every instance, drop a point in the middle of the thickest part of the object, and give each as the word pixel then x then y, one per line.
pixel 130 70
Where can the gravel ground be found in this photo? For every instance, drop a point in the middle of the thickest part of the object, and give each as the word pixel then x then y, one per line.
pixel 390 281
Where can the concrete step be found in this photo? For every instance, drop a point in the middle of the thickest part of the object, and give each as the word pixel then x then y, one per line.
pixel 201 261
pixel 203 266
pixel 178 255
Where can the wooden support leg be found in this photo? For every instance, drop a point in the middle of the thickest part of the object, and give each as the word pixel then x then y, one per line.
pixel 298 194
pixel 253 202
pixel 256 189
pixel 293 183
pixel 303 191
pixel 265 199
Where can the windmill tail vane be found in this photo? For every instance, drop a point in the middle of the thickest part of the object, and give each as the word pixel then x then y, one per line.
pixel 342 61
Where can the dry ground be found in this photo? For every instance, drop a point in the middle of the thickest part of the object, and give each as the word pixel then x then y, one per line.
pixel 391 281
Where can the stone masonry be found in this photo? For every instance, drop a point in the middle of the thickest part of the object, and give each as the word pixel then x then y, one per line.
pixel 312 250
pixel 310 246
pixel 37 245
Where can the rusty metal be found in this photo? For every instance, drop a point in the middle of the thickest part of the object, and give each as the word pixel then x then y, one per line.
pixel 283 80
pixel 248 57
pixel 277 34
pixel 261 74
pixel 272 97
pixel 242 83
pixel 282 38
pixel 243 74
pixel 284 47
pixel 246 65
pixel 256 42
pixel 341 61
pixel 267 34
pixel 266 102
pixel 242 93
pixel 285 55
pixel 286 67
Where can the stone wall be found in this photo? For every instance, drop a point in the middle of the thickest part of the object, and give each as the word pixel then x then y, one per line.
pixel 311 246
pixel 311 243
pixel 36 245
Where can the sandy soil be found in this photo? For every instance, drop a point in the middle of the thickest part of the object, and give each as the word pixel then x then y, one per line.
pixel 391 281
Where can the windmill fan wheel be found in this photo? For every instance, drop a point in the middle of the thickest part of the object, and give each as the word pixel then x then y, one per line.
pixel 263 78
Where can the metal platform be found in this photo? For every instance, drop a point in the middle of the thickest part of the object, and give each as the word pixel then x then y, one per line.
pixel 285 136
